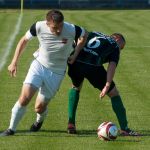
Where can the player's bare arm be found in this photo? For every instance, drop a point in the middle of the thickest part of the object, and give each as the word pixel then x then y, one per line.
pixel 12 68
pixel 110 74
pixel 80 44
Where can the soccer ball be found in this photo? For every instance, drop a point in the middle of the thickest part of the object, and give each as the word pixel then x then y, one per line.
pixel 107 131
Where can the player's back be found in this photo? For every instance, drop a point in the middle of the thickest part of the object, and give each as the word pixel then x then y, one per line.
pixel 97 48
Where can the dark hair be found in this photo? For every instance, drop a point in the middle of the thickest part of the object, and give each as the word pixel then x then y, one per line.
pixel 119 34
pixel 55 15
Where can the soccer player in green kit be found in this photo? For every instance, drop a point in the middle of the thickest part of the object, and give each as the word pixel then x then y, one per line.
pixel 99 49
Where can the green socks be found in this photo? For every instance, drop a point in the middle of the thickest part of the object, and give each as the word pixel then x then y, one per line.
pixel 72 105
pixel 117 106
pixel 120 111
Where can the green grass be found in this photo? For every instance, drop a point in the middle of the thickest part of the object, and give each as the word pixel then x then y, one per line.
pixel 132 79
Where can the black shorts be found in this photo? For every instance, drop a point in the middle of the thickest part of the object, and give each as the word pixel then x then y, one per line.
pixel 97 76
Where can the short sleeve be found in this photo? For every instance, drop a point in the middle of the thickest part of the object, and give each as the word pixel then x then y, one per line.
pixel 79 32
pixel 31 32
pixel 28 35
pixel 115 56
pixel 33 29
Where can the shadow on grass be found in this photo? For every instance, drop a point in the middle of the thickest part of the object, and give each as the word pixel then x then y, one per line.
pixel 80 133
pixel 56 133
pixel 144 132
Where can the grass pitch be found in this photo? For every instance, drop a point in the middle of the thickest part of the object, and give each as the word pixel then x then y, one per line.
pixel 132 79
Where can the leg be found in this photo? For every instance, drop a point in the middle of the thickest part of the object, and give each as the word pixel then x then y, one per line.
pixel 118 108
pixel 51 83
pixel 99 81
pixel 19 108
pixel 41 110
pixel 73 102
pixel 120 112
pixel 73 97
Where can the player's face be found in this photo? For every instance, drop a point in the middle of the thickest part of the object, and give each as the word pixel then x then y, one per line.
pixel 119 40
pixel 56 28
pixel 121 43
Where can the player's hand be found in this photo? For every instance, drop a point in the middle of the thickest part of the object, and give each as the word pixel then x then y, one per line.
pixel 12 68
pixel 71 59
pixel 104 91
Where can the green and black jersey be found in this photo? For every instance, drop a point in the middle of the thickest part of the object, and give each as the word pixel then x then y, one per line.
pixel 99 49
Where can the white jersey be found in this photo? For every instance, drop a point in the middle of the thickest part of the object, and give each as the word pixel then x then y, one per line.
pixel 54 50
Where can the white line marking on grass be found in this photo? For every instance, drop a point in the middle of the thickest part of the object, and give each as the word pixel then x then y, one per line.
pixel 7 50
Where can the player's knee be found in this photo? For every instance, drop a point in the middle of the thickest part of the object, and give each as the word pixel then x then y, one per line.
pixel 24 100
pixel 40 109
pixel 113 92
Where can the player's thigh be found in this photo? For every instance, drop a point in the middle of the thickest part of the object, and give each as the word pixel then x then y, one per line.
pixel 32 82
pixel 98 77
pixel 51 84
pixel 76 74
pixel 35 73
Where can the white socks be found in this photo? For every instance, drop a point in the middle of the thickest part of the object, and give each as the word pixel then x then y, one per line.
pixel 17 114
pixel 42 116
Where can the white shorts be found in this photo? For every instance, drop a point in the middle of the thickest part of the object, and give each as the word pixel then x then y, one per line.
pixel 44 79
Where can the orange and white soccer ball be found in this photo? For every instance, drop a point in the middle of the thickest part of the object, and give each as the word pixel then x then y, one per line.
pixel 107 131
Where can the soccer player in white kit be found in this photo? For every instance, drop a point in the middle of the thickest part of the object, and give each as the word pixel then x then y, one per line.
pixel 49 66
